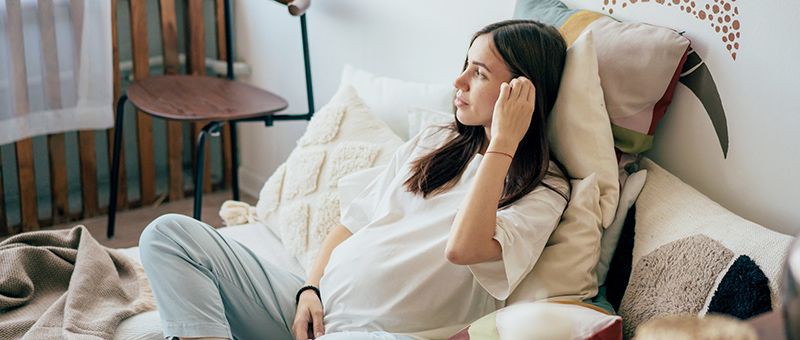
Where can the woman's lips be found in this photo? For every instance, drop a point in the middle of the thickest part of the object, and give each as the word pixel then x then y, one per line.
pixel 458 102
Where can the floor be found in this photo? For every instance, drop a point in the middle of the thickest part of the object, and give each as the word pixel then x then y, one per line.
pixel 130 223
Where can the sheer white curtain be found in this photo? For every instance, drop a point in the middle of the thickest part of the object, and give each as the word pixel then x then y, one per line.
pixel 55 67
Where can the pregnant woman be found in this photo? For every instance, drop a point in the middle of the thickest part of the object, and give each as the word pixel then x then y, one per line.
pixel 427 244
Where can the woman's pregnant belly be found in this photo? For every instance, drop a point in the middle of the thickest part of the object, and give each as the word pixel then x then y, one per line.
pixel 397 279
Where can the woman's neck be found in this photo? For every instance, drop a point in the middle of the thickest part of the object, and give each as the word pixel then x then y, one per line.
pixel 486 140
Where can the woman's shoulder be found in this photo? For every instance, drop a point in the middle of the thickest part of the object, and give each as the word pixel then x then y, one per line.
pixel 556 180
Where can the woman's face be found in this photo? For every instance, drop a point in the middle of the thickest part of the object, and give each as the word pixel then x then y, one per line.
pixel 479 85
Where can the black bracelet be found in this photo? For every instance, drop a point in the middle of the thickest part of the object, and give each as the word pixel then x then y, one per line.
pixel 304 288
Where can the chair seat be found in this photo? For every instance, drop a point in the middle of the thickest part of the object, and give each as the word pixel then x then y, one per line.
pixel 190 98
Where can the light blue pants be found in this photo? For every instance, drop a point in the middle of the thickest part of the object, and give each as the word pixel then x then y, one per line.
pixel 207 285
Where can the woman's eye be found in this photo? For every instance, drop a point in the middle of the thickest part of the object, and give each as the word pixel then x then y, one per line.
pixel 478 73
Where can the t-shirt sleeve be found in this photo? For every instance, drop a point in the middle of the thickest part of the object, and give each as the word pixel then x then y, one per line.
pixel 360 192
pixel 522 230
pixel 358 195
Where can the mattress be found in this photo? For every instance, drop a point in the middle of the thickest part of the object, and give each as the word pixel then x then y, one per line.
pixel 255 236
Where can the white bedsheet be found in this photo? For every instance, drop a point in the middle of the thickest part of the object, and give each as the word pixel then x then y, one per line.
pixel 255 236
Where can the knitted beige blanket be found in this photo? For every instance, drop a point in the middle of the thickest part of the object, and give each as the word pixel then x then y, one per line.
pixel 63 284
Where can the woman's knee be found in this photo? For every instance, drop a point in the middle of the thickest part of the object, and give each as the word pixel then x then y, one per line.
pixel 167 228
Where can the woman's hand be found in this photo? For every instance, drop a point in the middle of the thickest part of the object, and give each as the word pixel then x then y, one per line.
pixel 309 312
pixel 513 112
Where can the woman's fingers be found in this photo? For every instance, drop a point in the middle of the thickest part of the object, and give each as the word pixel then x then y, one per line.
pixel 531 94
pixel 319 328
pixel 300 330
pixel 301 322
pixel 505 90
pixel 525 87
pixel 516 87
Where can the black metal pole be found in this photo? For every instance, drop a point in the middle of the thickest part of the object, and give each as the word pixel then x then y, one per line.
pixel 112 198
pixel 211 129
pixel 231 76
pixel 307 59
pixel 234 161
pixel 228 40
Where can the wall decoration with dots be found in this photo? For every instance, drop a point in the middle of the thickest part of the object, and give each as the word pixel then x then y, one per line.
pixel 721 15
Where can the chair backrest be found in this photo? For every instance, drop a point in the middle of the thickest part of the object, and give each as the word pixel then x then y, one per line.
pixel 91 149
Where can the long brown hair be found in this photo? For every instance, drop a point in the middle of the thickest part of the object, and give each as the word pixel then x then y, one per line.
pixel 531 49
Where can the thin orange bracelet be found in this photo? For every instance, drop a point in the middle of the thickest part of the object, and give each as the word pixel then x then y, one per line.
pixel 502 153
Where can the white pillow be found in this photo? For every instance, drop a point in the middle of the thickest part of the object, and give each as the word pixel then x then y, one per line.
pixel 299 202
pixel 543 320
pixel 630 192
pixel 419 118
pixel 579 127
pixel 391 98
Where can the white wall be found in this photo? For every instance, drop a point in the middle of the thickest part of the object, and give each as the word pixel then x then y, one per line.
pixel 414 40
pixel 427 40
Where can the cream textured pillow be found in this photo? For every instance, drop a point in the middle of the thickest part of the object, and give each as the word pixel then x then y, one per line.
pixel 299 202
pixel 579 128
pixel 565 271
pixel 390 98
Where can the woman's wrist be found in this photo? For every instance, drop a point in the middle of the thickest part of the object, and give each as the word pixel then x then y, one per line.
pixel 502 145
pixel 306 288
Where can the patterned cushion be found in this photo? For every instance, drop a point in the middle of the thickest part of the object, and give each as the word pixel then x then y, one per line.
pixel 639 65
pixel 684 242
pixel 299 201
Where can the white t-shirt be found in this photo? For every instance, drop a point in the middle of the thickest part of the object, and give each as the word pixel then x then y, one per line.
pixel 392 274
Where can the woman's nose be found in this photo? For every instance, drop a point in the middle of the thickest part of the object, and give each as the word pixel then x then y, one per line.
pixel 460 83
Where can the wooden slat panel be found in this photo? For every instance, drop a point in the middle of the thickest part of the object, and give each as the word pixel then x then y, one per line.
pixel 169 40
pixel 50 74
pixel 76 13
pixel 58 177
pixel 141 70
pixel 169 36
pixel 197 66
pixel 86 144
pixel 27 185
pixel 24 148
pixel 52 82
pixel 226 132
pixel 122 192
pixel 88 159
pixel 197 48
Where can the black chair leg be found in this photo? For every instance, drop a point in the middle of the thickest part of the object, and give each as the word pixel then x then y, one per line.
pixel 112 198
pixel 211 128
pixel 235 162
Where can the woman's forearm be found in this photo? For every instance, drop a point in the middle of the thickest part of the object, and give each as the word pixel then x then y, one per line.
pixel 336 236
pixel 471 236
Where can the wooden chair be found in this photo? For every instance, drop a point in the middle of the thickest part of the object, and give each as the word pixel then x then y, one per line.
pixel 209 101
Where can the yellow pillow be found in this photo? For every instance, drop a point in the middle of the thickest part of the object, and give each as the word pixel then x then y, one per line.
pixel 565 271
pixel 579 127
